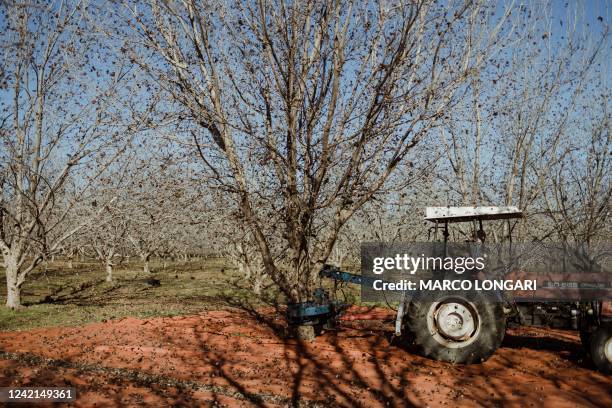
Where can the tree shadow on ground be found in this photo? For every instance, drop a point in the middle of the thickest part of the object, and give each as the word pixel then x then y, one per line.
pixel 568 350
pixel 386 371
pixel 79 295
pixel 97 386
pixel 244 355
pixel 336 381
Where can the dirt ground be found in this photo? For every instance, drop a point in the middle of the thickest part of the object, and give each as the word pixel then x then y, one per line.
pixel 239 358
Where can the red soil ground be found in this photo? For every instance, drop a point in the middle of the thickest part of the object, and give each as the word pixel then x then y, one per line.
pixel 235 358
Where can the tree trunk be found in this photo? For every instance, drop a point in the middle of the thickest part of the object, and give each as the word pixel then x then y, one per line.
pixel 109 271
pixel 257 285
pixel 13 294
pixel 146 267
pixel 306 333
pixel 13 299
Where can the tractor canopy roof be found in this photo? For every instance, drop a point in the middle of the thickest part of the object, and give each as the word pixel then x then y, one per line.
pixel 463 214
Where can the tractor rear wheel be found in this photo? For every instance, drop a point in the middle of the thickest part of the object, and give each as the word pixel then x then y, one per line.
pixel 456 327
pixel 601 349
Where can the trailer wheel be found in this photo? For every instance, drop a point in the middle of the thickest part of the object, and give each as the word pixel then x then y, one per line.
pixel 455 327
pixel 601 349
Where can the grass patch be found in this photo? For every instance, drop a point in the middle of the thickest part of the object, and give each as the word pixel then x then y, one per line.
pixel 55 295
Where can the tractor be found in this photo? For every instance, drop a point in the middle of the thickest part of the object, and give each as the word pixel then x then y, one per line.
pixel 468 326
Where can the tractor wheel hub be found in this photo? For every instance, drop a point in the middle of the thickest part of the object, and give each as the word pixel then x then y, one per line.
pixel 455 321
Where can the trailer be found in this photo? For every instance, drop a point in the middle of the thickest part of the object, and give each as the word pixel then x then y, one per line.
pixel 466 326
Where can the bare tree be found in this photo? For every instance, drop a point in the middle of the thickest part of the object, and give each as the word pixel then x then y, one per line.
pixel 578 189
pixel 60 127
pixel 162 202
pixel 521 114
pixel 302 112
pixel 108 239
pixel 109 213
pixel 242 252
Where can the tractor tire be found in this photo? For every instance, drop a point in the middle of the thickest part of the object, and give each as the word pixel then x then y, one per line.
pixel 456 327
pixel 601 349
